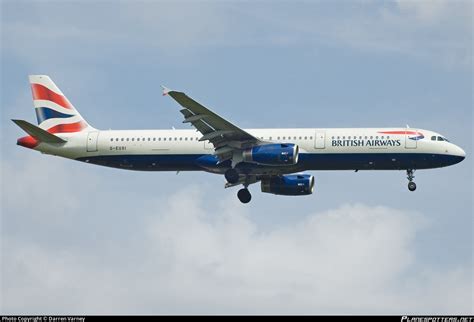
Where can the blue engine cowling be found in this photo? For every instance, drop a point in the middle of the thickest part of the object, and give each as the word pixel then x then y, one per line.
pixel 289 185
pixel 272 154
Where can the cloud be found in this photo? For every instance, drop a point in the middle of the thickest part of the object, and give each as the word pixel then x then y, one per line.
pixel 427 30
pixel 192 256
pixel 432 31
pixel 435 11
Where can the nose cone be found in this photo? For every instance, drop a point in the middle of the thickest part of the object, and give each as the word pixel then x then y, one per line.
pixel 458 154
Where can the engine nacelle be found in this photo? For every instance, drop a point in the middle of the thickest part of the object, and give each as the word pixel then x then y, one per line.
pixel 289 185
pixel 272 154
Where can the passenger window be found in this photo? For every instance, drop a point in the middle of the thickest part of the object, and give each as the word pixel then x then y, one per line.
pixel 310 137
pixel 305 137
pixel 294 138
pixel 181 139
pixel 127 139
pixel 111 139
pixel 185 139
pixel 164 139
pixel 121 140
pixel 154 139
pixel 133 139
pixel 270 138
pixel 300 137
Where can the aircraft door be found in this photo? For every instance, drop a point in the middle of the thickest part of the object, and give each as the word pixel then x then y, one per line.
pixel 320 140
pixel 411 139
pixel 92 141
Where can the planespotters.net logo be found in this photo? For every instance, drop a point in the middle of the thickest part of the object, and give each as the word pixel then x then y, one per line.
pixel 437 318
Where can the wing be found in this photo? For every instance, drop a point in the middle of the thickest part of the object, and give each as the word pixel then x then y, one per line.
pixel 225 136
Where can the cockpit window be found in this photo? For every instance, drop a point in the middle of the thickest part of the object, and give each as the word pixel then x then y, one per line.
pixel 433 138
pixel 440 138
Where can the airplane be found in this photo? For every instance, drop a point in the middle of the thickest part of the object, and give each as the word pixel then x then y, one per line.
pixel 277 158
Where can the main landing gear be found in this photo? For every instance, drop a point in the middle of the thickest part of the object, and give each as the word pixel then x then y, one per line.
pixel 232 176
pixel 244 195
pixel 410 177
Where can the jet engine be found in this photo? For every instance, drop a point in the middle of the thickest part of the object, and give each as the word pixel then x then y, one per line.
pixel 289 185
pixel 272 154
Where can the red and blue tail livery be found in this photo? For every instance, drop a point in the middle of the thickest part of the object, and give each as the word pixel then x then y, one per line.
pixel 275 158
pixel 54 112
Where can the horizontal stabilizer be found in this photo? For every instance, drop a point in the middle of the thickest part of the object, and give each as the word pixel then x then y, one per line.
pixel 38 133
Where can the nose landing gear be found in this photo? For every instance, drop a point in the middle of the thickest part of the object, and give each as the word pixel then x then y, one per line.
pixel 410 177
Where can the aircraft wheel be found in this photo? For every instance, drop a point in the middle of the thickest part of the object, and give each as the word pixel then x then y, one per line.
pixel 232 176
pixel 244 195
pixel 411 186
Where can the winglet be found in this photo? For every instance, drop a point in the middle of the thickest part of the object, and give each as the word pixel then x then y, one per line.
pixel 165 90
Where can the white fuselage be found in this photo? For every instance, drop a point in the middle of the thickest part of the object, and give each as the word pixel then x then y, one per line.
pixel 320 149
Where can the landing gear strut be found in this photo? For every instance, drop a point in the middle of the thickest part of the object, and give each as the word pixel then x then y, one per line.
pixel 232 176
pixel 244 195
pixel 410 177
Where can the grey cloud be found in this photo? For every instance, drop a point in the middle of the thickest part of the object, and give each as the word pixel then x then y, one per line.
pixel 187 256
pixel 424 29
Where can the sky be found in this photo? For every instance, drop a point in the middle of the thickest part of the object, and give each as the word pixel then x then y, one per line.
pixel 83 239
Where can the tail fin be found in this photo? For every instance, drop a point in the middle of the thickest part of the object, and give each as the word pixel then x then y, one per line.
pixel 54 112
